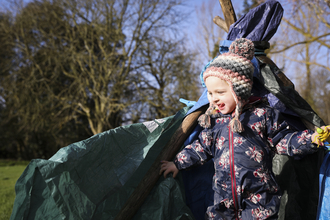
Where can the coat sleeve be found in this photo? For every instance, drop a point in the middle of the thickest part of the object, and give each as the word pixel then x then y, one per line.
pixel 197 152
pixel 286 140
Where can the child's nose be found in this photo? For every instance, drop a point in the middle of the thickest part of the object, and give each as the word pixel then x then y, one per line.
pixel 215 99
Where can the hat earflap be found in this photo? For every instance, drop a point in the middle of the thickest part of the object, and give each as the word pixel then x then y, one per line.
pixel 235 124
pixel 205 119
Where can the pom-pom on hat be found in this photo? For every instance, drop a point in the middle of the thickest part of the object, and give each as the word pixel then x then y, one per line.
pixel 236 68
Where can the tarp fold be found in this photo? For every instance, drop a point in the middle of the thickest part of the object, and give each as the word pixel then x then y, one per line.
pixel 93 178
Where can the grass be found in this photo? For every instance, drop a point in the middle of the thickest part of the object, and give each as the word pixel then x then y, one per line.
pixel 10 171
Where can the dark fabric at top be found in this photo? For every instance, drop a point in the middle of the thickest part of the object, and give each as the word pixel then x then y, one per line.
pixel 259 24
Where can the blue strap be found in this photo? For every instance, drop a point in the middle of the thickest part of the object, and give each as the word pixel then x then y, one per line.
pixel 187 102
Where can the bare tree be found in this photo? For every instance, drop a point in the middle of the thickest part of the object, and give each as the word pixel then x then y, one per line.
pixel 167 75
pixel 79 69
pixel 7 54
pixel 321 93
pixel 208 35
pixel 304 43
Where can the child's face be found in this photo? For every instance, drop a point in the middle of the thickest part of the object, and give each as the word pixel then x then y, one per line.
pixel 219 94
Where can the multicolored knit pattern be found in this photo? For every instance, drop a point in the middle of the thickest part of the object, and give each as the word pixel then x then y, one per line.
pixel 236 68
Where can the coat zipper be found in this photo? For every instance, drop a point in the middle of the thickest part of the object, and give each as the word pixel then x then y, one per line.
pixel 232 172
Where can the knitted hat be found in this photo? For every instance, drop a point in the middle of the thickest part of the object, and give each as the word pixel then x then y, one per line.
pixel 235 67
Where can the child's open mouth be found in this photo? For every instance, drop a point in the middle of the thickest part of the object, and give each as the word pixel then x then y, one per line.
pixel 221 106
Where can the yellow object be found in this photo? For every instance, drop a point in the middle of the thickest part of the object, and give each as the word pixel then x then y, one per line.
pixel 319 130
pixel 323 135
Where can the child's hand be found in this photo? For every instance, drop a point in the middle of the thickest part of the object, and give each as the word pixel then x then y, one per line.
pixel 168 167
pixel 321 135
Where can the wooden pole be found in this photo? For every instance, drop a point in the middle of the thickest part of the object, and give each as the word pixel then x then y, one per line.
pixel 168 153
pixel 228 12
pixel 221 23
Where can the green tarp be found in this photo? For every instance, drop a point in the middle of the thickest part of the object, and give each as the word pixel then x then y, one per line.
pixel 93 178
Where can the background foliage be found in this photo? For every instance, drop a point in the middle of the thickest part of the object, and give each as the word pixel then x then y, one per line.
pixel 72 69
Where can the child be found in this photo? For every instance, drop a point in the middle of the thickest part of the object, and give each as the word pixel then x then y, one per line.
pixel 241 134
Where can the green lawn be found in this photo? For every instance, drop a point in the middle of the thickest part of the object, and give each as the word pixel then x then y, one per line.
pixel 10 171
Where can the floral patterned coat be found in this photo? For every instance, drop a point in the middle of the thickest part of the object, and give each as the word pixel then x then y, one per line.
pixel 244 184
